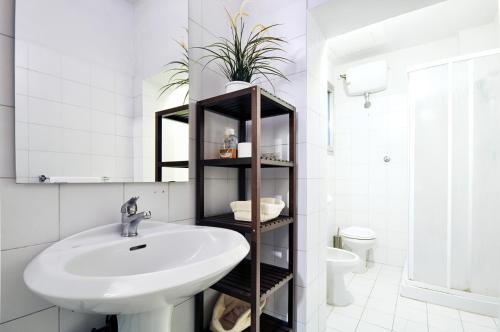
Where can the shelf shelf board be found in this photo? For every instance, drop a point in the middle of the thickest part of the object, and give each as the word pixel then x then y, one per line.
pixel 237 283
pixel 228 221
pixel 236 104
pixel 180 113
pixel 246 163
pixel 176 164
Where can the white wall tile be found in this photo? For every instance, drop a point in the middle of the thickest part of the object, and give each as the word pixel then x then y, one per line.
pixel 7 22
pixel 76 141
pixel 44 60
pixel 21 81
pixel 85 206
pixel 46 163
pixel 6 69
pixel 21 54
pixel 77 94
pixel 17 299
pixel 103 122
pixel 181 201
pixel 21 108
pixel 103 100
pixel 153 197
pixel 45 138
pixel 43 321
pixel 102 78
pixel 71 321
pixel 75 117
pixel 124 105
pixel 42 85
pixel 30 214
pixel 7 138
pixel 44 112
pixel 75 70
pixel 103 144
pixel 76 164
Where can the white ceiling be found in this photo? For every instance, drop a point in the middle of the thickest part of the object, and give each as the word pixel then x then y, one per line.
pixel 336 17
pixel 420 26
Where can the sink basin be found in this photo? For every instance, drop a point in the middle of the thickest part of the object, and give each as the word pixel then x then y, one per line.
pixel 138 278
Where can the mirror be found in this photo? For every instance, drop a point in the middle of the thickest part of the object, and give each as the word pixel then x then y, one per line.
pixel 101 91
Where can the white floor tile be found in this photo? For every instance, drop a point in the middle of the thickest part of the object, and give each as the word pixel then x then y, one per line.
pixel 405 302
pixel 341 323
pixel 415 315
pixel 361 286
pixel 443 311
pixel 446 323
pixel 378 318
pixel 367 327
pixel 471 327
pixel 387 306
pixel 360 299
pixel 485 321
pixel 379 307
pixel 352 310
pixel 405 325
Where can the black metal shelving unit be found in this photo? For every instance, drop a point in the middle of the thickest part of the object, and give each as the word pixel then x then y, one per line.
pixel 251 280
pixel 181 114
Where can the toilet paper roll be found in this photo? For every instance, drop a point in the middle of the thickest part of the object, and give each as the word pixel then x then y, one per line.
pixel 244 150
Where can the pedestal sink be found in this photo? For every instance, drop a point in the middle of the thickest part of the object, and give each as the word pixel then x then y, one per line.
pixel 139 278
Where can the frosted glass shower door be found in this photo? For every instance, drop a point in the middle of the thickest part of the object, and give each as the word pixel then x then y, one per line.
pixel 429 95
pixel 485 184
pixel 455 172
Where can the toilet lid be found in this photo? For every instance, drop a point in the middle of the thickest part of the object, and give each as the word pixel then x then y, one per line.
pixel 360 233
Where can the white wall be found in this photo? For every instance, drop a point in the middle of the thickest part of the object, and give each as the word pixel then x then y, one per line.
pixel 35 216
pixel 370 192
pixel 319 171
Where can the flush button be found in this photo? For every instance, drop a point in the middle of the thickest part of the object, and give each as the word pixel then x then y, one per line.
pixel 387 159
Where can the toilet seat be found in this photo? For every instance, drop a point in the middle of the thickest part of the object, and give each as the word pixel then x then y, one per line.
pixel 358 233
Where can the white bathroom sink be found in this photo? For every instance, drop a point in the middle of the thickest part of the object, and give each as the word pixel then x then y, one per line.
pixel 138 278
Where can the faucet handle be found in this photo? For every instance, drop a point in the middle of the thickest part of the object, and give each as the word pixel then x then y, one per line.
pixel 130 206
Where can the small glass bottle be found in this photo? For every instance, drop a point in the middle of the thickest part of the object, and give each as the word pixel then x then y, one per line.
pixel 231 143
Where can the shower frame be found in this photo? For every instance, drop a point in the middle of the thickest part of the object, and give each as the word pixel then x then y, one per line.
pixel 482 304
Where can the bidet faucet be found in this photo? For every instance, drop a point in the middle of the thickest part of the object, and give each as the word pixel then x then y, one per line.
pixel 130 217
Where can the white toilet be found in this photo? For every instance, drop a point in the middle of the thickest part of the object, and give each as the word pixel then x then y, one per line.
pixel 358 240
pixel 338 263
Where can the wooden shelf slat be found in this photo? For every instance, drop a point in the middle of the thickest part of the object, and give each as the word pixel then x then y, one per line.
pixel 228 221
pixel 176 164
pixel 236 105
pixel 238 282
pixel 246 163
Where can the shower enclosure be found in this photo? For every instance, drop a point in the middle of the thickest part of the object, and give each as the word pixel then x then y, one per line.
pixel 454 251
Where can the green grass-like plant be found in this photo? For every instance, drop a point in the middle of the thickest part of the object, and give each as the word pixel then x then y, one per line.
pixel 179 72
pixel 244 56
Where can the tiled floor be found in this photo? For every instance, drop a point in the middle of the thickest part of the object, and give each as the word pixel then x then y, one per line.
pixel 378 307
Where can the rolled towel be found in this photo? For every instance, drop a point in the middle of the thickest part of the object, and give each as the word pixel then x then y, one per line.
pixel 270 208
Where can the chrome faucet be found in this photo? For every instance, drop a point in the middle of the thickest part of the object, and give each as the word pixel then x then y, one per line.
pixel 130 217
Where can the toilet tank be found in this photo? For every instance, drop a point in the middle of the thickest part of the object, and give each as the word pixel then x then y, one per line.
pixel 366 78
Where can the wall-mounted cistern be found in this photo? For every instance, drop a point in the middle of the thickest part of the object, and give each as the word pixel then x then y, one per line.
pixel 130 217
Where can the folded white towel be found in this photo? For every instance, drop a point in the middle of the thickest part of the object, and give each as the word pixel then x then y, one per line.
pixel 270 208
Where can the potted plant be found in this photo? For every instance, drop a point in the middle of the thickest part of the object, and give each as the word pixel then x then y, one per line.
pixel 244 57
pixel 179 72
